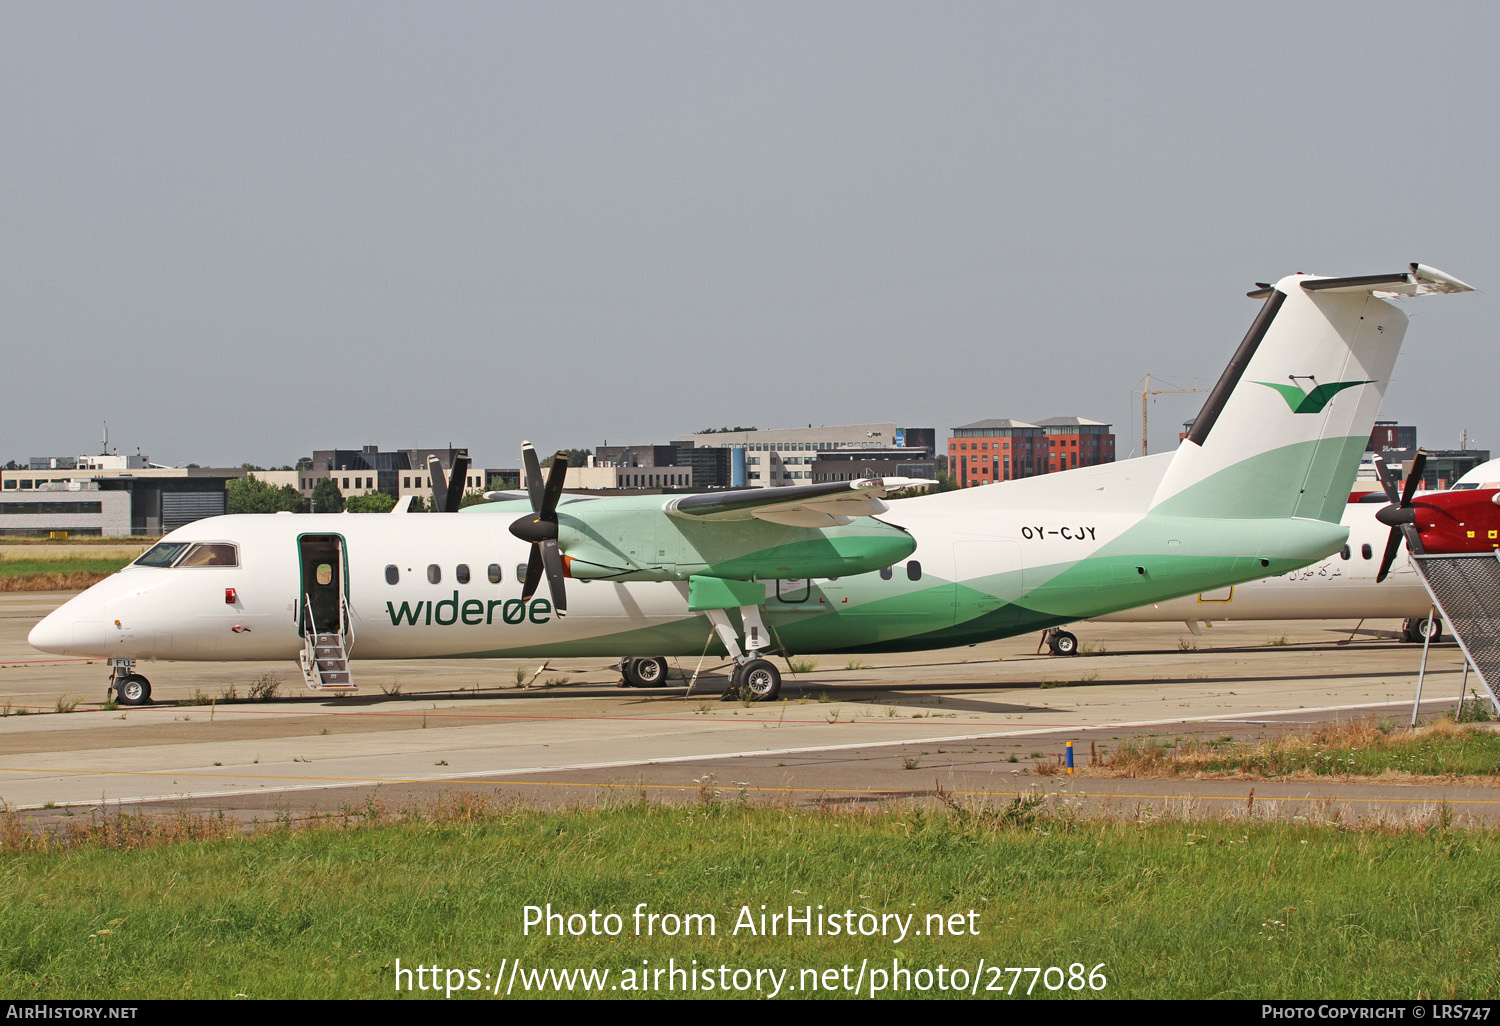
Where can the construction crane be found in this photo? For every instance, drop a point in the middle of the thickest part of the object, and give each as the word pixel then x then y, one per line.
pixel 1146 392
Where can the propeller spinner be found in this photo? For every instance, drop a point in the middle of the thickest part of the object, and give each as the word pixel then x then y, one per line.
pixel 539 527
pixel 1400 516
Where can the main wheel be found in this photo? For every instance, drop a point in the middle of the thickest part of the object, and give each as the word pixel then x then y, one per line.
pixel 133 690
pixel 1064 644
pixel 760 681
pixel 647 673
pixel 1417 628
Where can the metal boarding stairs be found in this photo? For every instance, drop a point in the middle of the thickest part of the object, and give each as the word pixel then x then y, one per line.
pixel 1465 589
pixel 325 656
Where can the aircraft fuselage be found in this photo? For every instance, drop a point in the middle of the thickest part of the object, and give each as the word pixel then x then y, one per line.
pixel 435 585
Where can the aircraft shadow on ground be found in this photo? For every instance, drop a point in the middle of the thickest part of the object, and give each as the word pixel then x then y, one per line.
pixel 900 694
pixel 712 689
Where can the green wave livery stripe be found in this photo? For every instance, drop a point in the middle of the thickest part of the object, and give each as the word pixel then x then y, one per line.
pixel 1314 401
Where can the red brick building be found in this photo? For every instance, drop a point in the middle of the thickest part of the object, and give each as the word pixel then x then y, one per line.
pixel 1003 450
pixel 1074 442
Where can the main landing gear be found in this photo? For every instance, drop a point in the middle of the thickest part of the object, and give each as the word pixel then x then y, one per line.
pixel 125 685
pixel 754 678
pixel 644 673
pixel 1418 627
pixel 1061 642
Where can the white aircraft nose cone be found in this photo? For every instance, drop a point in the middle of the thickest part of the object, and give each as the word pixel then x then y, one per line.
pixel 77 627
pixel 53 634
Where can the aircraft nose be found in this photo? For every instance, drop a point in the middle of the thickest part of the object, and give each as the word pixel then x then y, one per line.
pixel 74 628
pixel 53 634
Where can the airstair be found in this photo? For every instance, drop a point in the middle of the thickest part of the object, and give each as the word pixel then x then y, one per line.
pixel 325 655
pixel 1465 589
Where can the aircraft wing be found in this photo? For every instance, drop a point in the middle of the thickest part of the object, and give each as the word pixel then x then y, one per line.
pixel 816 505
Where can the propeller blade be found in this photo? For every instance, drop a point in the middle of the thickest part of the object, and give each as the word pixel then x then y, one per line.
pixel 439 484
pixel 533 573
pixel 552 561
pixel 1392 546
pixel 1399 515
pixel 1387 480
pixel 1414 479
pixel 539 527
pixel 458 479
pixel 534 486
pixel 556 475
pixel 1413 539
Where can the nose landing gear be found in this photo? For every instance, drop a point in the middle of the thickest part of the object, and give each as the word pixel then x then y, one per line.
pixel 125 685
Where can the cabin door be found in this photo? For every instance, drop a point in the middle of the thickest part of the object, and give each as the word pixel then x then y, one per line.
pixel 324 584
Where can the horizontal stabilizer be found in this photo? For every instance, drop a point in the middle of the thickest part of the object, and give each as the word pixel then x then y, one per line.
pixel 1420 280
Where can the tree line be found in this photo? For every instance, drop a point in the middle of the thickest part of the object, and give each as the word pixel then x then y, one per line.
pixel 252 495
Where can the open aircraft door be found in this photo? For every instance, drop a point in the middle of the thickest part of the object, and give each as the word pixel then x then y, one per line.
pixel 323 617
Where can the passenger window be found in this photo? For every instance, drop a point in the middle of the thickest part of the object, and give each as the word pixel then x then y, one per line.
pixel 325 573
pixel 494 573
pixel 462 573
pixel 392 574
pixel 913 570
pixel 520 571
pixel 1345 553
pixel 885 573
pixel 215 554
pixel 434 574
pixel 1365 551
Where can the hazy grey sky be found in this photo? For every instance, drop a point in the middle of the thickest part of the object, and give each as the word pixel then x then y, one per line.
pixel 243 231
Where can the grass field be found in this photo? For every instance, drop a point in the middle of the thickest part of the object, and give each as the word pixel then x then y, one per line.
pixel 1172 909
pixel 22 569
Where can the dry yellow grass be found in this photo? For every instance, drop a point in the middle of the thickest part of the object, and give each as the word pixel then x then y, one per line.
pixel 1365 748
pixel 76 580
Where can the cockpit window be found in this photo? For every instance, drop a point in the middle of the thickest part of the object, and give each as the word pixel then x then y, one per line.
pixel 211 554
pixel 199 554
pixel 161 555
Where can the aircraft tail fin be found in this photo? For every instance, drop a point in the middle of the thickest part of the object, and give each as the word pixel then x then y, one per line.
pixel 1282 432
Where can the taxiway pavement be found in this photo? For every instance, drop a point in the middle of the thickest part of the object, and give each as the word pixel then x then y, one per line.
pixel 983 722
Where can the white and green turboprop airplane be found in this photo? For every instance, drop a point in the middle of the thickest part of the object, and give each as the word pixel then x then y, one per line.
pixel 1256 489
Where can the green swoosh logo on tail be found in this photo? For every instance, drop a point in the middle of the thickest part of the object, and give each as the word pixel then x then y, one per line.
pixel 1314 401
